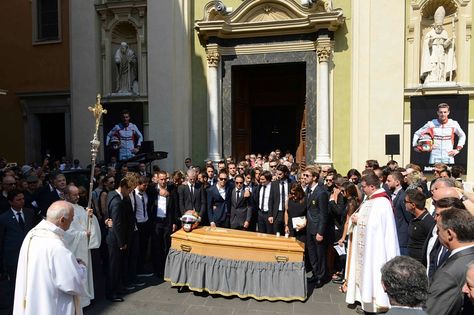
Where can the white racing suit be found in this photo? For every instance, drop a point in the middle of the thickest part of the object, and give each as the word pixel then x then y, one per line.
pixel 128 136
pixel 443 139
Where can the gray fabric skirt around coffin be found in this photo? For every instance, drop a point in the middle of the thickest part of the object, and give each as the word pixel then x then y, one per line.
pixel 259 280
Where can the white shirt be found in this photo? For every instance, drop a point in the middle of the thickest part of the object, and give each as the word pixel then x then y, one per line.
pixel 221 191
pixel 281 206
pixel 161 207
pixel 460 249
pixel 265 198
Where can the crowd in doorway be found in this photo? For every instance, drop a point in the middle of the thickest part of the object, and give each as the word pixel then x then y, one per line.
pixel 355 225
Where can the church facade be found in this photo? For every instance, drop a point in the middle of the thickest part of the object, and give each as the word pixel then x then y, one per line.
pixel 210 79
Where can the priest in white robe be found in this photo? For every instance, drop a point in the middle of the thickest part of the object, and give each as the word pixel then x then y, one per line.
pixel 373 242
pixel 81 237
pixel 49 277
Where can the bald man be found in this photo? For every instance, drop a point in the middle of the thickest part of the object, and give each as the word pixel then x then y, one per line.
pixel 47 266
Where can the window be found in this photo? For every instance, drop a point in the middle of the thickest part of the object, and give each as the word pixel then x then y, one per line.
pixel 47 20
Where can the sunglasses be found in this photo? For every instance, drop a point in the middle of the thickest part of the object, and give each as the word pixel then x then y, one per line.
pixel 222 178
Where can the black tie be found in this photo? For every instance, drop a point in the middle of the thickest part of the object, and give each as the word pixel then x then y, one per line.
pixel 144 207
pixel 20 220
pixel 283 195
pixel 192 190
pixel 238 195
pixel 308 192
pixel 263 198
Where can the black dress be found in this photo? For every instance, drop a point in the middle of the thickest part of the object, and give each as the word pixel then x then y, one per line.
pixel 296 209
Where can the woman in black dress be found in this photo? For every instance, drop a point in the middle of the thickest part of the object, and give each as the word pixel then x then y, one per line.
pixel 296 207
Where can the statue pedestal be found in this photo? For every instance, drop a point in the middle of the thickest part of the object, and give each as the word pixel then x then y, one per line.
pixel 445 84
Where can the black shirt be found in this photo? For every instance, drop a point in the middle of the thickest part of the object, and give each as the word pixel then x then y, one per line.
pixel 418 231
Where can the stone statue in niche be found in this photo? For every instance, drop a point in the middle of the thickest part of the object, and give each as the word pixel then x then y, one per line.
pixel 438 62
pixel 127 70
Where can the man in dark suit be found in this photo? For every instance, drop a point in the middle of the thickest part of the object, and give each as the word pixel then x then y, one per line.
pixel 434 253
pixel 402 216
pixel 47 196
pixel 456 232
pixel 211 176
pixel 241 208
pixel 117 236
pixel 14 224
pixel 261 197
pixel 191 196
pixel 218 201
pixel 165 216
pixel 406 284
pixel 278 196
pixel 317 208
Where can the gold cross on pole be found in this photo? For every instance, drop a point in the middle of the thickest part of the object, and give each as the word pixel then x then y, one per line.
pixel 97 110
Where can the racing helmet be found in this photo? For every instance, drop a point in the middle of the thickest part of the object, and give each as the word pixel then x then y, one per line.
pixel 190 220
pixel 425 143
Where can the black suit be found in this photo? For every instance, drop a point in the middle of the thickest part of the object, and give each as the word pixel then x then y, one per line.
pixel 435 260
pixel 218 209
pixel 444 294
pixel 192 201
pixel 402 220
pixel 317 217
pixel 240 209
pixel 45 198
pixel 263 225
pixel 117 238
pixel 162 228
pixel 276 204
pixel 11 238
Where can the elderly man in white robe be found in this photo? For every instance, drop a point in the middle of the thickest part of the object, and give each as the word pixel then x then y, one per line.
pixel 50 278
pixel 83 235
pixel 373 242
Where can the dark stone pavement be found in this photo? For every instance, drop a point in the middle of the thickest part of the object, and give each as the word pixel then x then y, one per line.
pixel 158 297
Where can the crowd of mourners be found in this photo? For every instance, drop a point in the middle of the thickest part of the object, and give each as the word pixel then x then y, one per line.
pixel 352 223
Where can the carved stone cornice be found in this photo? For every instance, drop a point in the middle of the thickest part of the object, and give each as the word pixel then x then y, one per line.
pixel 257 18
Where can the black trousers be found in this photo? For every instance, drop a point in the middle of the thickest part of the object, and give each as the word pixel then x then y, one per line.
pixel 263 225
pixel 160 243
pixel 144 234
pixel 317 256
pixel 114 272
pixel 279 223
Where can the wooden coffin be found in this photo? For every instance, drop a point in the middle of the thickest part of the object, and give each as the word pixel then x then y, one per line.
pixel 238 245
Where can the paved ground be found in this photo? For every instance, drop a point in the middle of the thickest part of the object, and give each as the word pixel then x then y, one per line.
pixel 160 298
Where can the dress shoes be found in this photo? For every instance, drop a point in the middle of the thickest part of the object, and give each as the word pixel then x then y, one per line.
pixel 145 274
pixel 138 284
pixel 318 284
pixel 115 299
pixel 311 279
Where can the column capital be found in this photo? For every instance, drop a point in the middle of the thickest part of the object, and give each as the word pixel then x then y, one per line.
pixel 213 57
pixel 324 48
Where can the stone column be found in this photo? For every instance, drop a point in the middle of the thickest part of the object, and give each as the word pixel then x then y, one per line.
pixel 323 153
pixel 213 135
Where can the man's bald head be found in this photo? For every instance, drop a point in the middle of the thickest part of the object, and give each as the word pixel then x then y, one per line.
pixel 72 194
pixel 61 214
pixel 445 192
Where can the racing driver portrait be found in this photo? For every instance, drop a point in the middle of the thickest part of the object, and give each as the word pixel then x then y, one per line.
pixel 437 137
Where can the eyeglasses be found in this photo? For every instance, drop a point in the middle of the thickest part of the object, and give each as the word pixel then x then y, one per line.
pixel 407 201
pixel 222 178
pixel 273 166
pixel 241 168
pixel 239 183
pixel 329 180
pixel 305 175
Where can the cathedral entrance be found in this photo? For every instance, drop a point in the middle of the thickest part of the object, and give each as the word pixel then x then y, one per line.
pixel 268 102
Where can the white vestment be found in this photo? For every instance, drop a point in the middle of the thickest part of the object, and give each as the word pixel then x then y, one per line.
pixel 76 241
pixel 373 242
pixel 49 279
